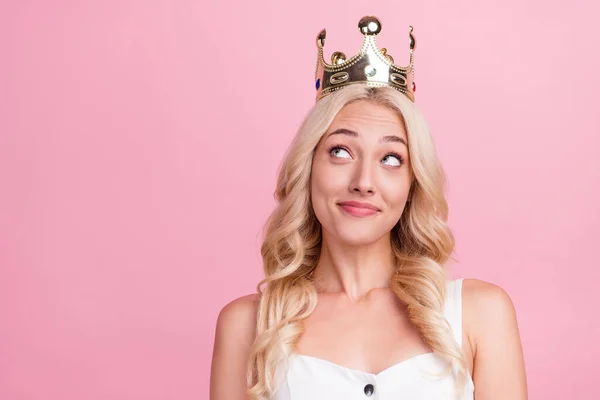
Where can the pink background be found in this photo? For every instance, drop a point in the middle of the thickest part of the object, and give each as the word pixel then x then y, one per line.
pixel 139 142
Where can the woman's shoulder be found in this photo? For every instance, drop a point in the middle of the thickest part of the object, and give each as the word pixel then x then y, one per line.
pixel 234 335
pixel 494 332
pixel 481 295
pixel 240 312
pixel 487 308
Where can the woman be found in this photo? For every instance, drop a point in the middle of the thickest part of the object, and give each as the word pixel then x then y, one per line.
pixel 356 300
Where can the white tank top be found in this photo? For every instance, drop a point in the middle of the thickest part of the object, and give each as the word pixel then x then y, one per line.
pixel 311 378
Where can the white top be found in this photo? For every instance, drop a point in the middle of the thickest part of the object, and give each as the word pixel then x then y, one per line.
pixel 311 378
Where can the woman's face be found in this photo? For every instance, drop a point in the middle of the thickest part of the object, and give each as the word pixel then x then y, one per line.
pixel 363 157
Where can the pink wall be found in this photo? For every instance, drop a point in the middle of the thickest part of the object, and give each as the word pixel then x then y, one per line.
pixel 139 142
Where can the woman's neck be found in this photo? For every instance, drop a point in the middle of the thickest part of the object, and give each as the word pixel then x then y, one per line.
pixel 353 270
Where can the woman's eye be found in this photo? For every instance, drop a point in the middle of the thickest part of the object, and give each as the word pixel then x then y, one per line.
pixel 335 151
pixel 399 161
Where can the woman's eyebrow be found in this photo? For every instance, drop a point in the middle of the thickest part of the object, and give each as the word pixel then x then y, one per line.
pixel 384 139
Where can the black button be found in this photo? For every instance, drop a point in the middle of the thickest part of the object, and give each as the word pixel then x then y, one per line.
pixel 369 389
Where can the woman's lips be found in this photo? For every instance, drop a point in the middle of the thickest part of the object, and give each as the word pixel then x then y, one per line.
pixel 358 211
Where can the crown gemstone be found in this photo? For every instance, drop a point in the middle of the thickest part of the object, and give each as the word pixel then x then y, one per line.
pixel 370 70
pixel 414 87
pixel 318 84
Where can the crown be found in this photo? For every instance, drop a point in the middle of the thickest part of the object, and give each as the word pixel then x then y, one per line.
pixel 370 66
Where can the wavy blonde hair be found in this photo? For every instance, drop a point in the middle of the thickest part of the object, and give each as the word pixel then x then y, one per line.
pixel 421 243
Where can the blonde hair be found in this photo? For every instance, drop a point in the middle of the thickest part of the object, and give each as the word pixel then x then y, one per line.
pixel 421 242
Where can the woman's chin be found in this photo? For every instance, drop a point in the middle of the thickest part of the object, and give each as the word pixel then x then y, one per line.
pixel 357 238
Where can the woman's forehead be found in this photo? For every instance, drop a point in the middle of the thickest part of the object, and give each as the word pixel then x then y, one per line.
pixel 368 119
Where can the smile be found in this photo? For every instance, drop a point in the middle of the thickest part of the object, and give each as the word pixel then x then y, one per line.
pixel 357 211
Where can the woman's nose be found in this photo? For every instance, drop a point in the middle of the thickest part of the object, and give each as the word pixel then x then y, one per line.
pixel 362 180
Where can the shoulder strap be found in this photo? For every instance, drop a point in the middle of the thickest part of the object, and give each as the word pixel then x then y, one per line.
pixel 453 308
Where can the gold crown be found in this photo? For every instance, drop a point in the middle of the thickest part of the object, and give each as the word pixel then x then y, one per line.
pixel 370 66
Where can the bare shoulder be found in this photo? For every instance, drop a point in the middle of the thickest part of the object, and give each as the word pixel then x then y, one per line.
pixel 485 305
pixel 234 334
pixel 481 297
pixel 239 313
pixel 490 318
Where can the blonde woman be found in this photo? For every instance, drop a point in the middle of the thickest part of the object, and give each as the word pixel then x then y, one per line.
pixel 357 302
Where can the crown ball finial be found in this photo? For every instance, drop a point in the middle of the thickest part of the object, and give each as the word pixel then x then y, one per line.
pixel 411 38
pixel 369 25
pixel 338 58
